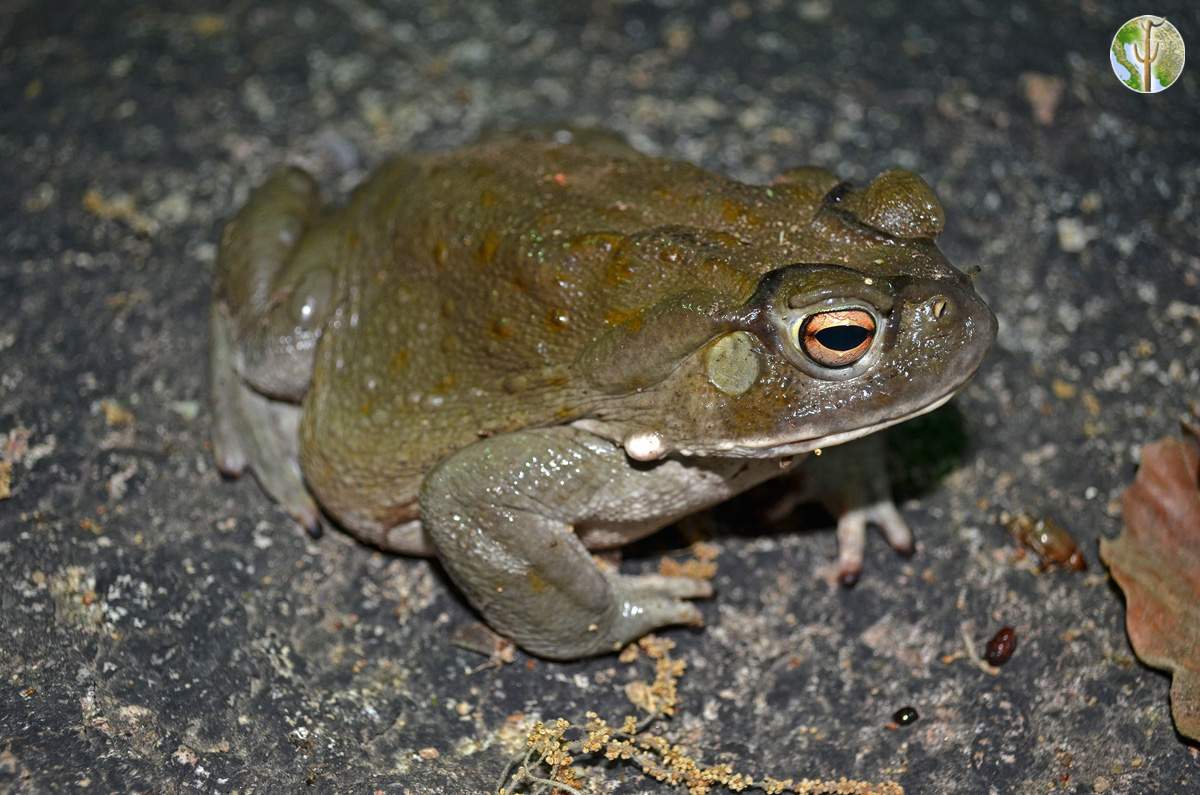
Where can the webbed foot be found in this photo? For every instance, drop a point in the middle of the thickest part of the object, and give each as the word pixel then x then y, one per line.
pixel 649 601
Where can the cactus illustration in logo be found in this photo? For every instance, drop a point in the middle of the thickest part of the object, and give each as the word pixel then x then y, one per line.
pixel 1147 54
pixel 1151 48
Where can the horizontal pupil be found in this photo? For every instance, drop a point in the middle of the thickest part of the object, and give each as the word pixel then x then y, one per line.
pixel 842 338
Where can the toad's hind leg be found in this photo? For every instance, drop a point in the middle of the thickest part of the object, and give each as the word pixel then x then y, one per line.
pixel 264 324
pixel 256 432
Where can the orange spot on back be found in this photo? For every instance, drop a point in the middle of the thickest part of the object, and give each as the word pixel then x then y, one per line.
pixel 487 247
pixel 731 211
pixel 398 361
pixel 605 241
pixel 630 318
pixel 502 327
pixel 619 270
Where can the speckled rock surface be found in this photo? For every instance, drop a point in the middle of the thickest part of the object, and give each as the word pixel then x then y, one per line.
pixel 162 630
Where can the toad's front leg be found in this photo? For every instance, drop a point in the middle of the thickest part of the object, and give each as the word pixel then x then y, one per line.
pixel 851 481
pixel 503 515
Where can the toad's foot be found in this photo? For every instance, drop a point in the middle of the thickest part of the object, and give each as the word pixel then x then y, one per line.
pixel 650 601
pixel 850 480
pixel 645 603
pixel 852 536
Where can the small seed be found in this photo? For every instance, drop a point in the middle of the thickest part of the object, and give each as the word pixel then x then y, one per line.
pixel 1001 647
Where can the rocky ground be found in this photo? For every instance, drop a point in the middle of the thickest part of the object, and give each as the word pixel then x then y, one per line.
pixel 163 630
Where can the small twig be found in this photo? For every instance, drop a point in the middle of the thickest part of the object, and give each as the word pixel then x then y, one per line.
pixel 507 774
pixel 484 666
pixel 973 655
pixel 554 784
pixel 647 722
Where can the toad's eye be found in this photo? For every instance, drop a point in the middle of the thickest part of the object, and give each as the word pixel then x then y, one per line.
pixel 836 339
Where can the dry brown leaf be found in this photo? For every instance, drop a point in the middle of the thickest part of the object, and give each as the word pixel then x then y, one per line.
pixel 1156 561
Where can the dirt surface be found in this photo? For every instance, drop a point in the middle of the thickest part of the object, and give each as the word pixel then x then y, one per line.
pixel 162 630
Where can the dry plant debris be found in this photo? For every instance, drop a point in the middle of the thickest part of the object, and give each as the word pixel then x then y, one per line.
pixel 119 208
pixel 547 766
pixel 701 565
pixel 1156 561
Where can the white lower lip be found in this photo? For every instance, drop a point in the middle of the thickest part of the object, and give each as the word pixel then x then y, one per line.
pixel 769 448
pixel 838 438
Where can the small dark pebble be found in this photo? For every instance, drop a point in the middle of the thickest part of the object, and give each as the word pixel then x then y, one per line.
pixel 1001 647
pixel 905 716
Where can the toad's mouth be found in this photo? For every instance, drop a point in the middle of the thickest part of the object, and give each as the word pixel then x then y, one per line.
pixel 772 447
pixel 846 436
